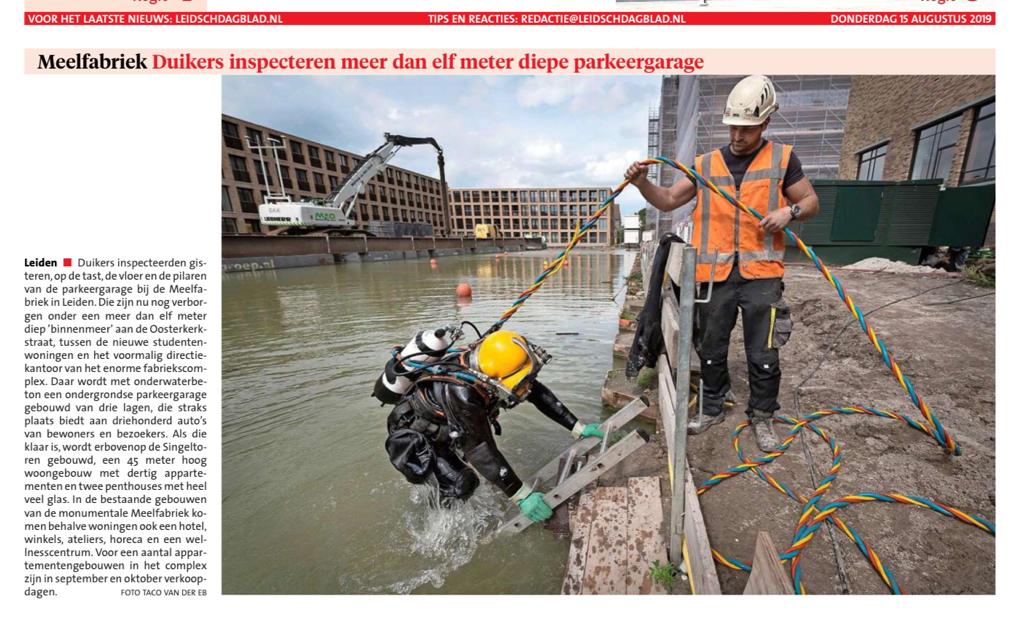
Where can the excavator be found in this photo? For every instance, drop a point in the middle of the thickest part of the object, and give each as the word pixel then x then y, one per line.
pixel 333 214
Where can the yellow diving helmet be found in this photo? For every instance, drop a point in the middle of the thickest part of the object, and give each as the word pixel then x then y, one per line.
pixel 510 360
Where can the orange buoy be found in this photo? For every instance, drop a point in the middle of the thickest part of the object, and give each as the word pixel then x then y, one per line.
pixel 464 291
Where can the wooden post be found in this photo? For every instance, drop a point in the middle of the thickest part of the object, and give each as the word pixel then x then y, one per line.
pixel 687 278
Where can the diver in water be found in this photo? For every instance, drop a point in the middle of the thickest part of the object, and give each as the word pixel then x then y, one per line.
pixel 447 402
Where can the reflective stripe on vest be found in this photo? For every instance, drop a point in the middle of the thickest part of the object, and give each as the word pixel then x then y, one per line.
pixel 723 229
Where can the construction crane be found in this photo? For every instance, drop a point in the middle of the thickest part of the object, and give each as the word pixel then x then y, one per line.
pixel 333 214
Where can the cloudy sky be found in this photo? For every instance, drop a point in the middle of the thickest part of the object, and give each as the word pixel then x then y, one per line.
pixel 495 131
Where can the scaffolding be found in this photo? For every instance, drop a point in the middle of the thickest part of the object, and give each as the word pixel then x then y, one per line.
pixel 811 117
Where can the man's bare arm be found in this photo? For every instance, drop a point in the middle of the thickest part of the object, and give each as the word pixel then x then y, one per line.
pixel 802 193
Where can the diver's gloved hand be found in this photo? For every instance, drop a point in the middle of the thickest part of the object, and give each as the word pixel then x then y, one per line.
pixel 532 504
pixel 590 430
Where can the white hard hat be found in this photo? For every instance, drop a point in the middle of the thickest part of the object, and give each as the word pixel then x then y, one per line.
pixel 751 101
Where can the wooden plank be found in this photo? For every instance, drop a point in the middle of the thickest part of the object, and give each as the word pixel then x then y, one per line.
pixel 675 262
pixel 645 534
pixel 598 465
pixel 704 579
pixel 670 325
pixel 767 577
pixel 605 571
pixel 666 404
pixel 579 541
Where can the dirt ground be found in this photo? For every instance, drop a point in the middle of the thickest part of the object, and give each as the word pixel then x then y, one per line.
pixel 944 340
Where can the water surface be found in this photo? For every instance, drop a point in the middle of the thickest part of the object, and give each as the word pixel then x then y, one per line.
pixel 311 503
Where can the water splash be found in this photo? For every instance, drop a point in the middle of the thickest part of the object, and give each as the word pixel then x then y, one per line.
pixel 447 534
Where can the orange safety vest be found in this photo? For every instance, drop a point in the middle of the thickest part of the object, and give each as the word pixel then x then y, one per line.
pixel 720 227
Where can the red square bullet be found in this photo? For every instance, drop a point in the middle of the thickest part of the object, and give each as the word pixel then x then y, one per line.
pixel 67 262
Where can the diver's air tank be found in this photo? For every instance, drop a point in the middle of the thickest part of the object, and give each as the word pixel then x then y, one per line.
pixel 426 347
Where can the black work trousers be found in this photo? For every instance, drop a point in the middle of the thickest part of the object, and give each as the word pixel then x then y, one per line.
pixel 716 320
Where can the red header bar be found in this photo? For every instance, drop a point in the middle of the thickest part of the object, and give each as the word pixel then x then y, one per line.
pixel 539 18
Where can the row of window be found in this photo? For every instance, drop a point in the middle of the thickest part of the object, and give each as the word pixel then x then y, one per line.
pixel 935 148
pixel 229 226
pixel 526 210
pixel 537 224
pixel 551 237
pixel 532 196
pixel 331 160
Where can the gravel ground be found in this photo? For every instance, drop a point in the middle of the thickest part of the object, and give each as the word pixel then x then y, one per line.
pixel 946 345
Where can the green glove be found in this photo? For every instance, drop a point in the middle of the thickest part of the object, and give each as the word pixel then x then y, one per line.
pixel 534 507
pixel 590 430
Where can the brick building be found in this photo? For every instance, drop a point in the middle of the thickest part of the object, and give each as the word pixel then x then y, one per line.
pixel 920 127
pixel 550 213
pixel 310 170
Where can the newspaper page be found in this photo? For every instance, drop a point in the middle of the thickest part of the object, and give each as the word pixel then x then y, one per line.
pixel 661 298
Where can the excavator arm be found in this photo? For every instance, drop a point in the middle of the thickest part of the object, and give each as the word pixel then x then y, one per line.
pixel 344 196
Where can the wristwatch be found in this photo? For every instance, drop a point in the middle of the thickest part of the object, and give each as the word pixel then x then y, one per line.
pixel 794 210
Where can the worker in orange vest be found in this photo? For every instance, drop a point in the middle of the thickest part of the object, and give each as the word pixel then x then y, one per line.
pixel 746 254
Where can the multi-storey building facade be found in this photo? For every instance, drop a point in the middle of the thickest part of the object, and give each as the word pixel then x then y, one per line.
pixel 310 170
pixel 921 127
pixel 549 213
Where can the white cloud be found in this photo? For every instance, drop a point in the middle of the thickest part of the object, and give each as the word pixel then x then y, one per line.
pixel 600 94
pixel 542 150
pixel 608 169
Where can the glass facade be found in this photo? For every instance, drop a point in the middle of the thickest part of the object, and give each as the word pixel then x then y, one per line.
pixel 980 163
pixel 871 163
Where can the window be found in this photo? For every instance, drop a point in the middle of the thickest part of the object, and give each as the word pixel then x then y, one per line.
pixel 933 153
pixel 318 180
pixel 286 179
pixel 263 179
pixel 238 168
pixel 225 199
pixel 231 137
pixel 302 178
pixel 872 163
pixel 255 137
pixel 254 226
pixel 980 163
pixel 278 141
pixel 247 201
pixel 297 152
pixel 228 226
pixel 314 156
pixel 330 159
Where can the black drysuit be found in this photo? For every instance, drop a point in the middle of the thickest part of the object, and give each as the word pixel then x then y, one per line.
pixel 443 423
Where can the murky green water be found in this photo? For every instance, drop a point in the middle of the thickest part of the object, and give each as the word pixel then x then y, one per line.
pixel 311 503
